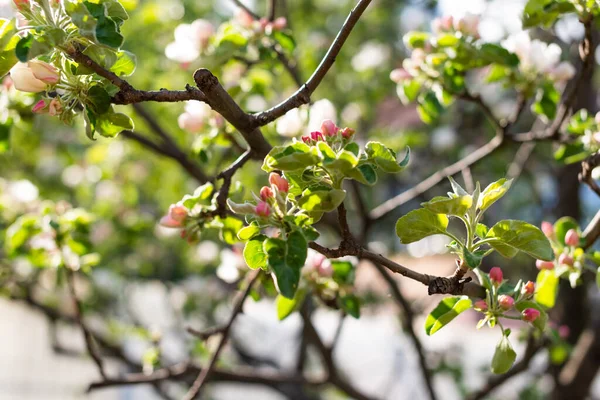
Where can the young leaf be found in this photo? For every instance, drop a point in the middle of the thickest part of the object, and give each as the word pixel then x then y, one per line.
pixel 419 224
pixel 513 236
pixel 321 200
pixel 504 357
pixel 449 206
pixel 458 190
pixel 493 193
pixel 343 272
pixel 287 306
pixel 248 232
pixel 350 304
pixel 546 288
pixel 254 254
pixel 448 309
pixel 286 277
pixel 384 157
pixel 290 158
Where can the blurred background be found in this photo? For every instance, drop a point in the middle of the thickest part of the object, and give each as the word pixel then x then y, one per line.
pixel 150 285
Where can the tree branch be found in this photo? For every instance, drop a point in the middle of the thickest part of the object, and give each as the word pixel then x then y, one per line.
pixel 302 95
pixel 585 176
pixel 205 373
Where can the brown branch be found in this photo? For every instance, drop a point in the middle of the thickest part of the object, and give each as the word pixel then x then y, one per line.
pixel 585 176
pixel 245 8
pixel 407 322
pixel 89 340
pixel 522 155
pixel 272 9
pixel 302 95
pixel 592 231
pixel 196 387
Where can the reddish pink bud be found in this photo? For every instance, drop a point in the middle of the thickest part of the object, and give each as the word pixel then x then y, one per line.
pixel 306 139
pixel 506 302
pixel 329 128
pixel 40 107
pixel 22 4
pixel 347 132
pixel 55 107
pixel 496 275
pixel 183 233
pixel 541 264
pixel 565 259
pixel 548 229
pixel 282 184
pixel 325 269
pixel 279 24
pixel 263 22
pixel 571 238
pixel 266 193
pixel 262 209
pixel 178 212
pixel 481 305
pixel 316 136
pixel 564 331
pixel 528 289
pixel 169 222
pixel 530 314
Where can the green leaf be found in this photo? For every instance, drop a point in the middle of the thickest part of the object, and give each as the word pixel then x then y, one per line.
pixel 364 174
pixel 125 63
pixel 598 277
pixel 495 54
pixel 296 156
pixel 450 206
pixel 99 100
pixel 286 306
pixel 497 73
pixel 416 40
pixel 473 259
pixel 458 190
pixel 350 304
pixel 5 135
pixel 493 193
pixel 111 124
pixel 231 226
pixel 513 236
pixel 107 30
pixel 343 272
pixel 8 30
pixel 408 90
pixel 248 232
pixel 384 157
pixel 286 277
pixel 481 230
pixel 546 286
pixel 419 224
pixel 286 41
pixel 546 102
pixel 254 255
pixel 448 309
pixel 447 40
pixel 321 200
pixel 504 357
pixel 570 153
pixel 81 17
pixel 429 107
pixel 22 49
pixel 297 248
pixel 202 195
pixel 580 122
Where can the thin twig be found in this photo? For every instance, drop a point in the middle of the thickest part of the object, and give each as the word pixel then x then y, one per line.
pixel 585 176
pixel 302 95
pixel 205 373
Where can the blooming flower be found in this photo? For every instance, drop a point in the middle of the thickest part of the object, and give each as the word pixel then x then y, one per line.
pixel 190 41
pixel 34 76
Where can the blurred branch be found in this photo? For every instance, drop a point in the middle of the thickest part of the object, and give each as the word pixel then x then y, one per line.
pixel 196 387
pixel 407 322
pixel 272 9
pixel 585 176
pixel 302 95
pixel 521 156
pixel 245 8
pixel 592 231
pixel 89 340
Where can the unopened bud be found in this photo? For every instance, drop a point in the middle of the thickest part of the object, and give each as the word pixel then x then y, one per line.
pixel 571 238
pixel 530 314
pixel 347 132
pixel 266 193
pixel 528 289
pixel 565 259
pixel 262 209
pixel 496 276
pixel 481 305
pixel 282 184
pixel 548 229
pixel 506 302
pixel 329 128
pixel 541 264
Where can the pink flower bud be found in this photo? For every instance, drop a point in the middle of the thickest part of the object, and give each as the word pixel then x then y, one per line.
pixel 44 72
pixel 282 184
pixel 506 302
pixel 279 24
pixel 442 24
pixel 22 4
pixel 325 269
pixel 530 314
pixel 189 122
pixel 399 75
pixel 469 25
pixel 548 229
pixel 496 275
pixel 329 128
pixel 565 259
pixel 347 132
pixel 481 305
pixel 169 222
pixel 178 212
pixel 306 139
pixel 262 209
pixel 316 136
pixel 263 23
pixel 24 79
pixel 266 193
pixel 564 331
pixel 528 289
pixel 55 107
pixel 571 238
pixel 244 18
pixel 202 31
pixel 40 107
pixel 541 264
